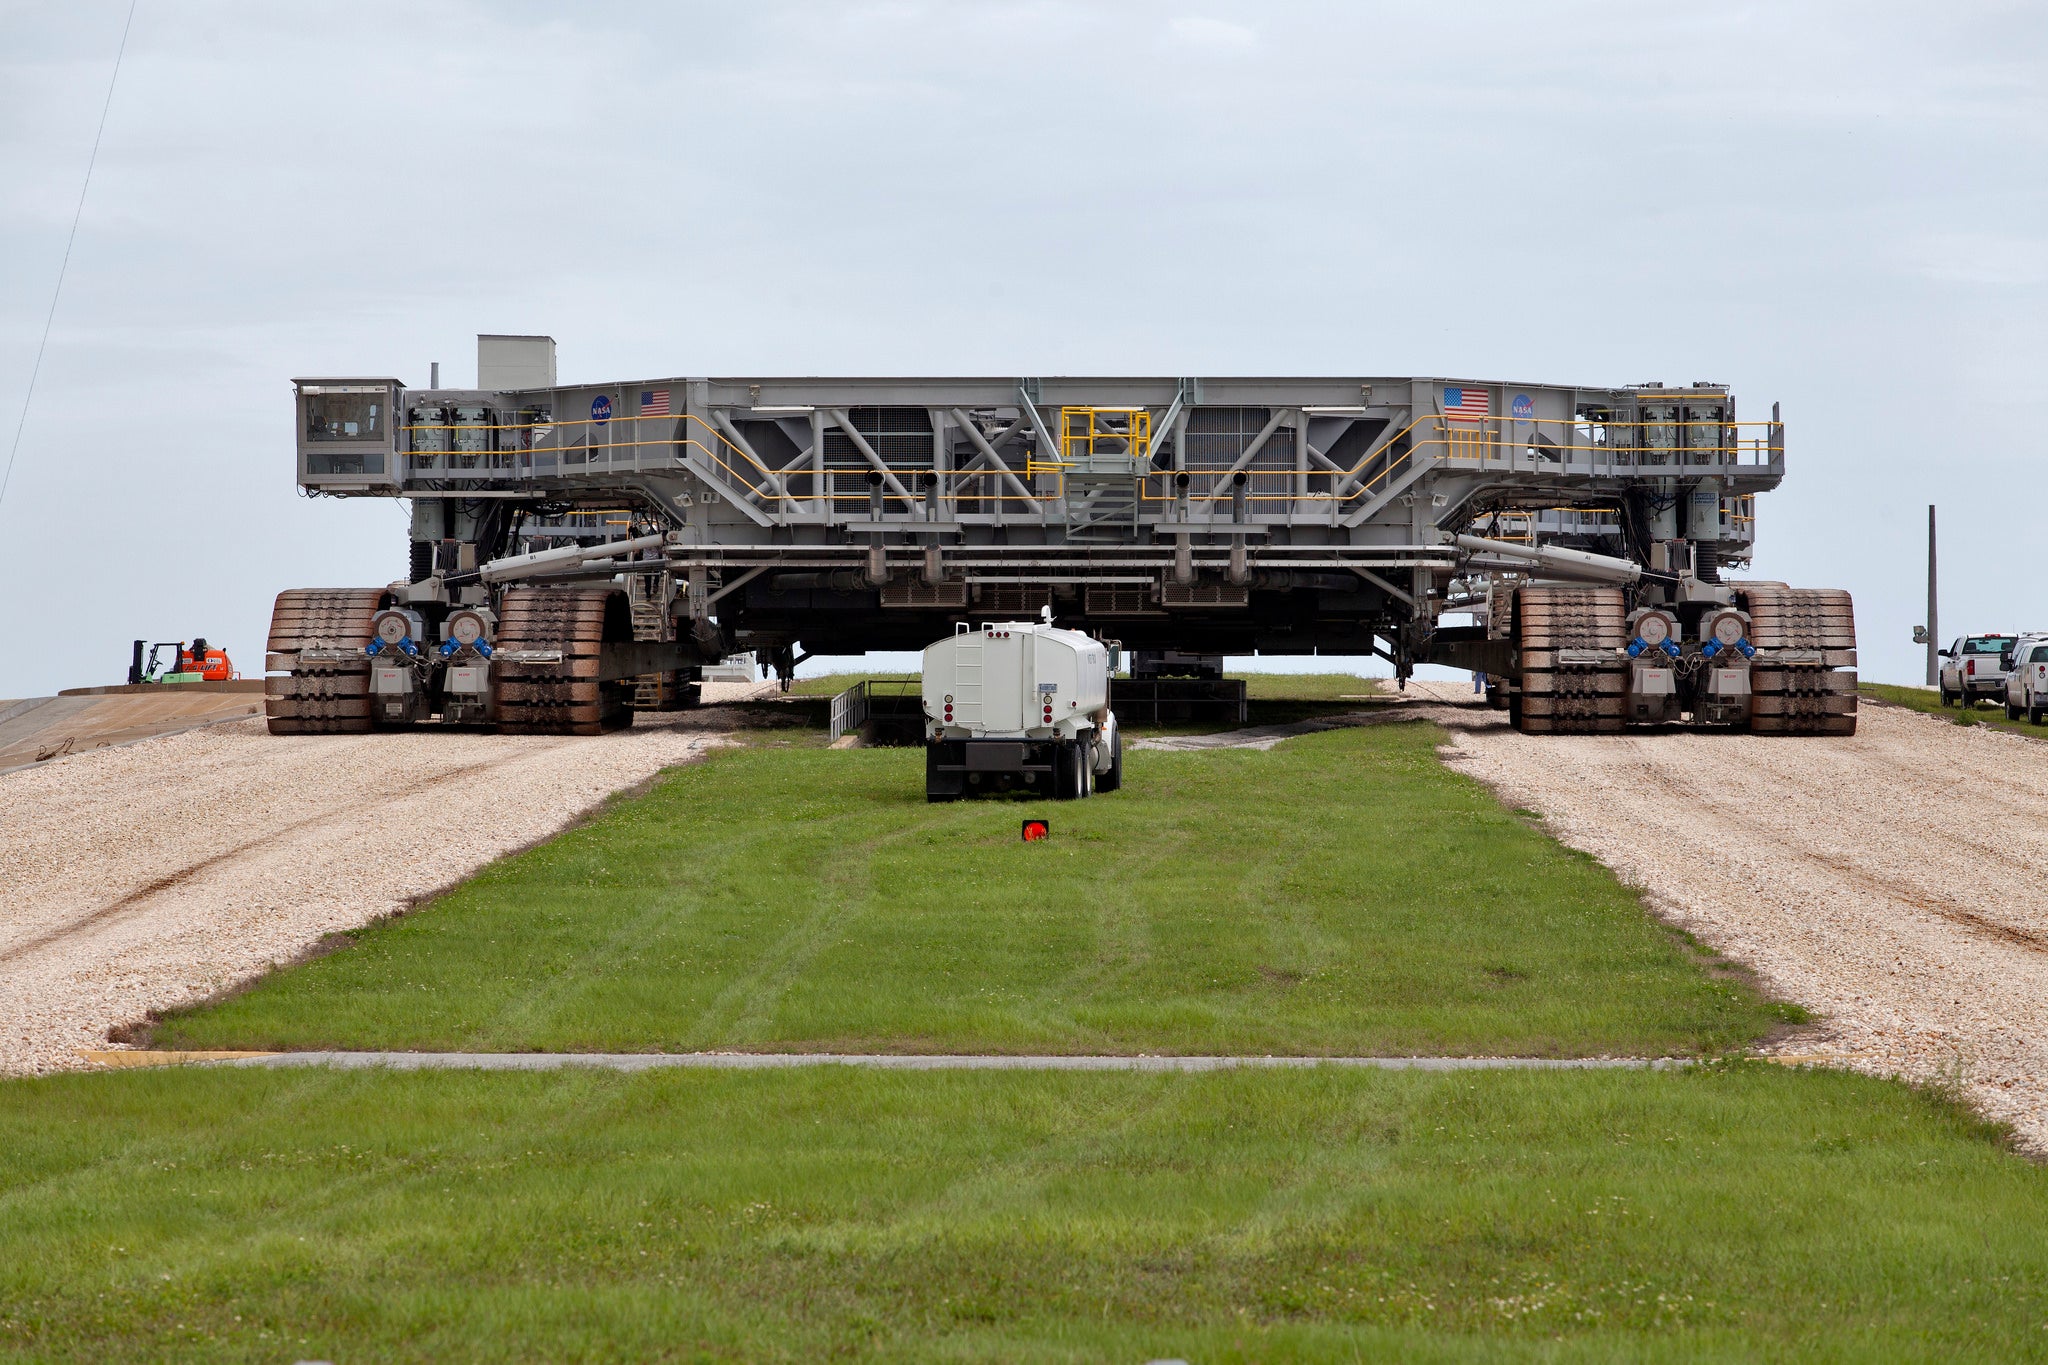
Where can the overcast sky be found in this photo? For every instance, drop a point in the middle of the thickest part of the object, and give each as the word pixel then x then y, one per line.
pixel 1839 207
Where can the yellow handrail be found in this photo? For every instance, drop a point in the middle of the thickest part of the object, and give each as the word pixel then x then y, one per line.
pixel 1482 441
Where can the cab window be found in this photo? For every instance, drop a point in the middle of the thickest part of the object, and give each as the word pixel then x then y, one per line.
pixel 1988 644
pixel 345 416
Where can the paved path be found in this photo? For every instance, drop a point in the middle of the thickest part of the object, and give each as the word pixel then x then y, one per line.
pixel 769 1061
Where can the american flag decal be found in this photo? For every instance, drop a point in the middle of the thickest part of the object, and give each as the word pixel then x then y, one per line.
pixel 1466 404
pixel 654 402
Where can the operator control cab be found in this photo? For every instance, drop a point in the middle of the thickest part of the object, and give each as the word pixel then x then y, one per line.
pixel 1019 706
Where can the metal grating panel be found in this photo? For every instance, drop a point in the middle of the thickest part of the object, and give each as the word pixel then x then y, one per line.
pixel 1120 599
pixel 1204 595
pixel 1015 599
pixel 914 592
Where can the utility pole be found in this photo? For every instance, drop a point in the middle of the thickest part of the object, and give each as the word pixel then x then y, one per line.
pixel 1933 625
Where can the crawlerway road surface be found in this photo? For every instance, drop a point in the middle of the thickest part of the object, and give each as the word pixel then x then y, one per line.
pixel 154 875
pixel 1835 868
pixel 1840 869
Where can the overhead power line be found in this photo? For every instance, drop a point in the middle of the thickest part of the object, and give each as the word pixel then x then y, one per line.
pixel 7 476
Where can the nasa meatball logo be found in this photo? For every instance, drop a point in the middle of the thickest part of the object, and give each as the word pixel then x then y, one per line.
pixel 1523 408
pixel 601 409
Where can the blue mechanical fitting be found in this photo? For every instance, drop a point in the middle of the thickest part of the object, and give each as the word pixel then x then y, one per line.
pixel 374 648
pixel 1671 648
pixel 447 648
pixel 1636 647
pixel 1748 649
pixel 483 649
pixel 409 647
pixel 1711 648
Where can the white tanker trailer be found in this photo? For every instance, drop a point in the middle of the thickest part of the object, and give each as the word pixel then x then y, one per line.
pixel 1019 706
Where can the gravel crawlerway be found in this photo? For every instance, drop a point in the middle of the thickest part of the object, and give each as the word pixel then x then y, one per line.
pixel 1916 929
pixel 154 875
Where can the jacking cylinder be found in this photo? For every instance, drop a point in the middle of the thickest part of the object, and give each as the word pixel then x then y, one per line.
pixel 1703 512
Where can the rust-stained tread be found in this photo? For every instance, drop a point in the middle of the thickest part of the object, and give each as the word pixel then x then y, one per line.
pixel 1801 699
pixel 1561 698
pixel 562 698
pixel 321 695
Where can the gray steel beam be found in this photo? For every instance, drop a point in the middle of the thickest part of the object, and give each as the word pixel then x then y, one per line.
pixel 1245 456
pixel 889 480
pixel 1051 447
pixel 988 450
pixel 732 433
pixel 740 582
pixel 1369 576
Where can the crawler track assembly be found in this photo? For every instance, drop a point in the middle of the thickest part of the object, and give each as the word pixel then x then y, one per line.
pixel 317 638
pixel 550 651
pixel 1804 681
pixel 1573 676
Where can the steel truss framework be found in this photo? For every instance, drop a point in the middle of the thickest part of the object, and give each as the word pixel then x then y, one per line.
pixel 1213 514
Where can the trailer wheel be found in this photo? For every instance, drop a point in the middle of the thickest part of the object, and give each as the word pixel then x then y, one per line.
pixel 1114 778
pixel 1073 770
pixel 1066 771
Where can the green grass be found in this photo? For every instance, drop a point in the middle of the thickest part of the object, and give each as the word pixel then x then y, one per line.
pixel 1978 713
pixel 1341 894
pixel 1308 686
pixel 1736 1214
pixel 832 684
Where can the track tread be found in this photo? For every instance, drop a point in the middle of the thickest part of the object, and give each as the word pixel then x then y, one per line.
pixel 1795 699
pixel 560 698
pixel 321 696
pixel 1561 698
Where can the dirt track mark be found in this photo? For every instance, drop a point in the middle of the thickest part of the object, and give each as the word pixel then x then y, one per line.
pixel 1821 864
pixel 134 899
pixel 275 842
pixel 1773 832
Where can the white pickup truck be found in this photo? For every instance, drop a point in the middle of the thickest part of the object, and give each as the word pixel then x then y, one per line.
pixel 2026 679
pixel 1973 669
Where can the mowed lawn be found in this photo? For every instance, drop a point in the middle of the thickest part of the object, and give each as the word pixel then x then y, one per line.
pixel 1341 894
pixel 1725 1213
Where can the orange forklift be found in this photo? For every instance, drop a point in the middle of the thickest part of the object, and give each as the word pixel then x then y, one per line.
pixel 200 663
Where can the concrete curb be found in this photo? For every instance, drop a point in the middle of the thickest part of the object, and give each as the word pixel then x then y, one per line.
pixel 769 1061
